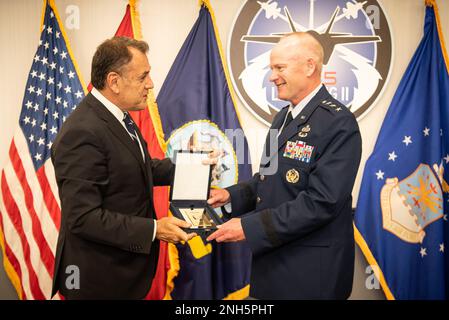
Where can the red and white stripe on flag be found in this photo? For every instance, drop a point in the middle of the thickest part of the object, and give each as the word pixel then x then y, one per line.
pixel 30 212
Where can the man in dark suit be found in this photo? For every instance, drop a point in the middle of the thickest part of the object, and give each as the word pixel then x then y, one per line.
pixel 109 234
pixel 296 212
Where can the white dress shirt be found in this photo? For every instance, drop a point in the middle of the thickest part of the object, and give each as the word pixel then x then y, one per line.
pixel 296 110
pixel 119 115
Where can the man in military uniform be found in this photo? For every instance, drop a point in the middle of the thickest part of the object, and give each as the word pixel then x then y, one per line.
pixel 298 219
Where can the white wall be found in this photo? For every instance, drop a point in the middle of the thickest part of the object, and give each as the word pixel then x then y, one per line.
pixel 165 24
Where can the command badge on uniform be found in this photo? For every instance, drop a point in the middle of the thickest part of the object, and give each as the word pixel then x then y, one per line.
pixel 298 150
pixel 292 176
pixel 304 131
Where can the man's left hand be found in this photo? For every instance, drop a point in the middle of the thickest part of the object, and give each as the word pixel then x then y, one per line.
pixel 212 158
pixel 229 231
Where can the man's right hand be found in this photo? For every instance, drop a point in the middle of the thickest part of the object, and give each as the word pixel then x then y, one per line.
pixel 218 198
pixel 169 230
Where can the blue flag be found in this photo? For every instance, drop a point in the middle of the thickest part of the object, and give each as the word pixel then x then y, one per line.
pixel 197 112
pixel 401 217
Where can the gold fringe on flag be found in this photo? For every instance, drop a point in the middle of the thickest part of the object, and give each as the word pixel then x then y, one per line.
pixel 433 4
pixel 52 4
pixel 151 101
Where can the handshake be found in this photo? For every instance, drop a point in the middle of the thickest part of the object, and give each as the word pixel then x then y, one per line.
pixel 169 228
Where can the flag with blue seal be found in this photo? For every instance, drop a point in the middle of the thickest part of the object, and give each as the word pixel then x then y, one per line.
pixel 401 218
pixel 197 111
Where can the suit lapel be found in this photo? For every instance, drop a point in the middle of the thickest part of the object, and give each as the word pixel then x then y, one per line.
pixel 272 136
pixel 118 131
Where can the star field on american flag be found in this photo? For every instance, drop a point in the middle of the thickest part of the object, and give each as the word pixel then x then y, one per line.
pixel 53 91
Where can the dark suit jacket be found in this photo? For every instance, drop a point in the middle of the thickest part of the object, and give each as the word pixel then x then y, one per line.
pixel 300 232
pixel 107 223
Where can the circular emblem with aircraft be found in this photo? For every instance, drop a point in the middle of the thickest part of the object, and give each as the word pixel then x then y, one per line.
pixel 355 36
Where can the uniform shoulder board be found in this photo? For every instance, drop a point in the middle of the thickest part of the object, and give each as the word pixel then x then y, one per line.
pixel 332 104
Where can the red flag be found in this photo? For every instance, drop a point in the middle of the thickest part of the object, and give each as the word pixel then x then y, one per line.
pixel 130 27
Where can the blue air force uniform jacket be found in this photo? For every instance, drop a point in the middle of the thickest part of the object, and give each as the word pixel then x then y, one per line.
pixel 297 211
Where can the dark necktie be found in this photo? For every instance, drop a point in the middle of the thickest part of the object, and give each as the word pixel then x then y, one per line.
pixel 130 126
pixel 288 119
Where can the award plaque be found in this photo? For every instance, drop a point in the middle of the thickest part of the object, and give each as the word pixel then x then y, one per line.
pixel 190 190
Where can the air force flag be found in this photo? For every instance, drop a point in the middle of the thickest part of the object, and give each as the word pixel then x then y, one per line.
pixel 401 218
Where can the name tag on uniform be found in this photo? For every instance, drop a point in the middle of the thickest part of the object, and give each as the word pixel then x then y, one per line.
pixel 298 150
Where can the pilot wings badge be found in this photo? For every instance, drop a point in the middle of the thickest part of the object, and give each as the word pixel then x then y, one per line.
pixel 410 205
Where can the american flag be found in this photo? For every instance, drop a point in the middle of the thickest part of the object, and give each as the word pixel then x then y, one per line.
pixel 29 202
